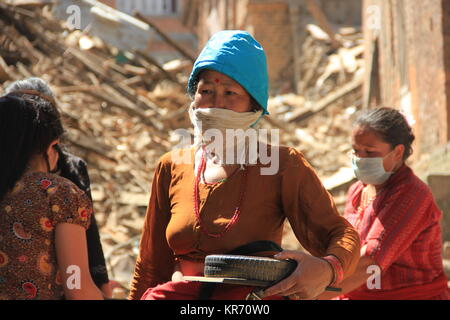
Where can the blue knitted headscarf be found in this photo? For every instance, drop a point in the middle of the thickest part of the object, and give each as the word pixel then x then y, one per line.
pixel 239 56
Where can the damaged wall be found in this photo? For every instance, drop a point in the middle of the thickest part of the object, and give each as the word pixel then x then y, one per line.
pixel 265 20
pixel 408 67
pixel 274 23
pixel 413 58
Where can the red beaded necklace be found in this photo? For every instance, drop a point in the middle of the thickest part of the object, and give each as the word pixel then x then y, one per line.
pixel 237 211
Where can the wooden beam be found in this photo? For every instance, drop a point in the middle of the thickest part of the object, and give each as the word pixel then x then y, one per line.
pixel 148 60
pixel 294 12
pixel 165 37
pixel 371 92
pixel 328 100
pixel 322 21
pixel 4 71
pixel 29 3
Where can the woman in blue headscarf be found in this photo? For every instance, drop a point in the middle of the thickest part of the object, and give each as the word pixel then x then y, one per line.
pixel 230 189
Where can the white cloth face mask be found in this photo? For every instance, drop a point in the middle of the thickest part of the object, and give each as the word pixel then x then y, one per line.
pixel 216 124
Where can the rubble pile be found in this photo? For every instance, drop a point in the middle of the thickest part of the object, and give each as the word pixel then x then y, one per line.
pixel 121 110
pixel 318 122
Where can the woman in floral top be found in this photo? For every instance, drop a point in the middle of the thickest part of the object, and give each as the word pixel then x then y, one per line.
pixel 75 169
pixel 43 217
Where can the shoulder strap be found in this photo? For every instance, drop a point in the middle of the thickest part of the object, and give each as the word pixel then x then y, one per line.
pixel 256 246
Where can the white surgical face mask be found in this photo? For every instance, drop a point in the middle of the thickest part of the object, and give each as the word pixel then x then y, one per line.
pixel 370 170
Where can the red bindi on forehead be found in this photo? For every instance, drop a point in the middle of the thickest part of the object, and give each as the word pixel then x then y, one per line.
pixel 217 80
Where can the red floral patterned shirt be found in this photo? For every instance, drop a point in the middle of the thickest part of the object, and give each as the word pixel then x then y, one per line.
pixel 28 217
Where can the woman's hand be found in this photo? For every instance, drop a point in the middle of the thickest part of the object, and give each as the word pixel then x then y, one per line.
pixel 308 280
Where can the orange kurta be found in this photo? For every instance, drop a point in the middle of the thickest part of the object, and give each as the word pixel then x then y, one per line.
pixel 295 192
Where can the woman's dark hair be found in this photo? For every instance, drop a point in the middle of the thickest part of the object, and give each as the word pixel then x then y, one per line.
pixel 390 125
pixel 28 124
pixel 33 83
pixel 38 86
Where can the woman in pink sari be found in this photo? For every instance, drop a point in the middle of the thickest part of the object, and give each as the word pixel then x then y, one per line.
pixel 395 215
